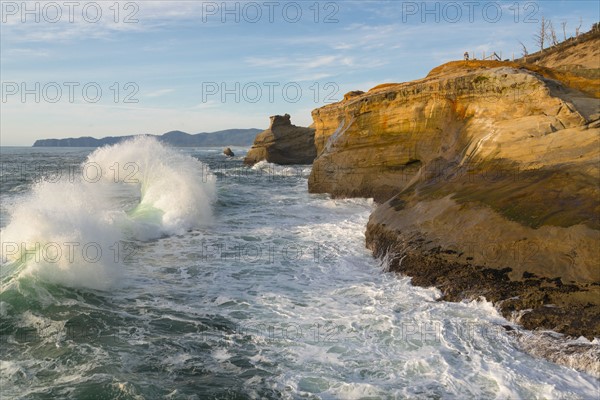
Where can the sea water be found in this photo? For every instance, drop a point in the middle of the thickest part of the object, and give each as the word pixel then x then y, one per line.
pixel 139 271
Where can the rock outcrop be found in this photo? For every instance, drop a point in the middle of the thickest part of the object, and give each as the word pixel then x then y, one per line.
pixel 487 174
pixel 228 152
pixel 283 143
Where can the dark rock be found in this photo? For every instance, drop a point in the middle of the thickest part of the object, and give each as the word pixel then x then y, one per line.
pixel 228 152
pixel 283 143
pixel 352 94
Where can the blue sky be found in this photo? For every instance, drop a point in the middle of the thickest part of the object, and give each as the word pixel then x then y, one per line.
pixel 205 66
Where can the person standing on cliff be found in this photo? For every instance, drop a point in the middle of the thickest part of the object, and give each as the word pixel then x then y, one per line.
pixel 466 55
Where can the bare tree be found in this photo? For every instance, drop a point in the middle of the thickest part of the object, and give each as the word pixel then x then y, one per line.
pixel 564 29
pixel 578 29
pixel 542 35
pixel 552 33
pixel 524 51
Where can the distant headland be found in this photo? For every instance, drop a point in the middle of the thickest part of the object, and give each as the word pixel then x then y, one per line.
pixel 228 137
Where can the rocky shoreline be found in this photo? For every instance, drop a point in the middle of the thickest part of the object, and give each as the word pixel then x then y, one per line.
pixel 486 174
pixel 532 302
pixel 486 178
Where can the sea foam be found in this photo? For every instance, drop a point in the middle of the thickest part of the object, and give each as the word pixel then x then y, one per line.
pixel 77 231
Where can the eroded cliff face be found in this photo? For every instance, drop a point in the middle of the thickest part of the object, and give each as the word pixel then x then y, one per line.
pixel 488 177
pixel 374 144
pixel 283 143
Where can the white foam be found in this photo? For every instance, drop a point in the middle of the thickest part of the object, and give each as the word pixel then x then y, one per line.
pixel 180 187
pixel 292 171
pixel 72 231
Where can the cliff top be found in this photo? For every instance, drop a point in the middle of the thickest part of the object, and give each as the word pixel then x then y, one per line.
pixel 586 84
pixel 575 63
pixel 582 52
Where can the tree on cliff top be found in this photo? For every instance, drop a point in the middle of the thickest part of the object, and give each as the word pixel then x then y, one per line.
pixel 542 35
pixel 552 34
pixel 524 51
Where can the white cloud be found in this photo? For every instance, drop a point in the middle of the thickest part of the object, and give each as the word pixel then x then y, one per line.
pixel 161 92
pixel 312 77
pixel 25 52
pixel 342 46
pixel 207 104
pixel 51 21
pixel 299 63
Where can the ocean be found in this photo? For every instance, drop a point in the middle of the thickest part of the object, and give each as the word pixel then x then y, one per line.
pixel 140 271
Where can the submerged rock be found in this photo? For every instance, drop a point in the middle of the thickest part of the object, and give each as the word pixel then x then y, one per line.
pixel 283 143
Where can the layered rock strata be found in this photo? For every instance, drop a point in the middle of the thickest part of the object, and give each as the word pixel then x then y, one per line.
pixel 487 175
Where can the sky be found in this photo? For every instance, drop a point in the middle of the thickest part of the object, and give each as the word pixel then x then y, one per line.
pixel 109 68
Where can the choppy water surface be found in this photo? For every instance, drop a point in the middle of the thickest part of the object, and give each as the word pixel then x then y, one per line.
pixel 178 273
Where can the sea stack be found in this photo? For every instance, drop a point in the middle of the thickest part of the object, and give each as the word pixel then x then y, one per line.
pixel 283 143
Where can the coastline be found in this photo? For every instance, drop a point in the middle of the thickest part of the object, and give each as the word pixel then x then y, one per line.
pixel 485 175
pixel 464 178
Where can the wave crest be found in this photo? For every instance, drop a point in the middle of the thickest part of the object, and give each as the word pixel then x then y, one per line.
pixel 71 232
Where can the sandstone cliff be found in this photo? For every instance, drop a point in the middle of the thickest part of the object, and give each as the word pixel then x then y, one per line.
pixel 488 177
pixel 283 143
